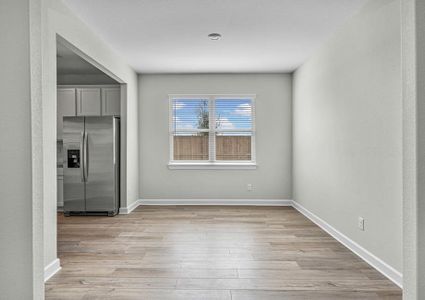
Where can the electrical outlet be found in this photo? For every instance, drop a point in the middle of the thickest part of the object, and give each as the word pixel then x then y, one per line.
pixel 361 223
pixel 249 187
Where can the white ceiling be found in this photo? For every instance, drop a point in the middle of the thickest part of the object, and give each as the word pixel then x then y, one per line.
pixel 170 36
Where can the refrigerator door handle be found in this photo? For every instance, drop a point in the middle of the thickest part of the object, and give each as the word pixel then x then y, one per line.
pixel 86 156
pixel 83 179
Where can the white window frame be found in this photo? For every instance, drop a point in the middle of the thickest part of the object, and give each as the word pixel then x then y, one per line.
pixel 212 163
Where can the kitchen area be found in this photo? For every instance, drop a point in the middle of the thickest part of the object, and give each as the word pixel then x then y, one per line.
pixel 88 137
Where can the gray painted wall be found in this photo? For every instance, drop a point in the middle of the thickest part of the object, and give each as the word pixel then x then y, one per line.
pixel 413 23
pixel 21 235
pixel 84 79
pixel 272 179
pixel 348 131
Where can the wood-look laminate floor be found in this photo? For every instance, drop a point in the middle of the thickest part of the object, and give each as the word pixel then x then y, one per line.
pixel 208 252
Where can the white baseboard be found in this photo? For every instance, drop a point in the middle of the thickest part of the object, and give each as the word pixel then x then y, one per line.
pixel 130 208
pixel 51 269
pixel 237 202
pixel 252 202
pixel 381 266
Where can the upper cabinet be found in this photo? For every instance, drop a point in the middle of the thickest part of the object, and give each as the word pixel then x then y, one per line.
pixel 88 102
pixel 65 107
pixel 111 104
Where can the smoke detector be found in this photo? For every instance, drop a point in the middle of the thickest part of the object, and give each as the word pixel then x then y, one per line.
pixel 214 36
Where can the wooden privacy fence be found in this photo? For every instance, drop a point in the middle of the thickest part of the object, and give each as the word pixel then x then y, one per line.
pixel 227 147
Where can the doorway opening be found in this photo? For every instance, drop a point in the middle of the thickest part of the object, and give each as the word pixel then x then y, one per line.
pixel 86 95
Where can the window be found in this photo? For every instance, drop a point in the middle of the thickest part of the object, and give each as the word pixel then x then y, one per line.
pixel 212 131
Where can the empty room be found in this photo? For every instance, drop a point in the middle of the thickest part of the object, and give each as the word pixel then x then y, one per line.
pixel 214 149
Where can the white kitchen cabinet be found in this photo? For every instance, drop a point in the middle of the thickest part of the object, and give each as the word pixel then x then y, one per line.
pixel 88 102
pixel 111 101
pixel 66 106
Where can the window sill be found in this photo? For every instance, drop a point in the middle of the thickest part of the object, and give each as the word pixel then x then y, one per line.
pixel 212 166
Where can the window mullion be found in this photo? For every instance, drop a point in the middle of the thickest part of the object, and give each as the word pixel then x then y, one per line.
pixel 212 152
pixel 171 127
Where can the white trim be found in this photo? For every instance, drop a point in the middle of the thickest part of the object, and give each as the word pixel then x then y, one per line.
pixel 378 264
pixel 233 202
pixel 211 166
pixel 51 269
pixel 130 208
pixel 212 151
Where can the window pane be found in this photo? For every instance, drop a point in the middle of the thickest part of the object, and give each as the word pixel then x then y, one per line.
pixel 233 114
pixel 191 145
pixel 233 145
pixel 190 114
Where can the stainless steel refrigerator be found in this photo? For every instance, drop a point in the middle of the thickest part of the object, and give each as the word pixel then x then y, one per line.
pixel 91 165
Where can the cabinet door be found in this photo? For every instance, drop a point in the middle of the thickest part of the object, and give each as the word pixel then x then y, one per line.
pixel 88 102
pixel 111 101
pixel 65 107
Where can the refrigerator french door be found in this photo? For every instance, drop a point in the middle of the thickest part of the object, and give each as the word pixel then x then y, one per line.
pixel 91 165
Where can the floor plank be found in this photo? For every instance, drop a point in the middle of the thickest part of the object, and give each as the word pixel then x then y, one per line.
pixel 208 252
